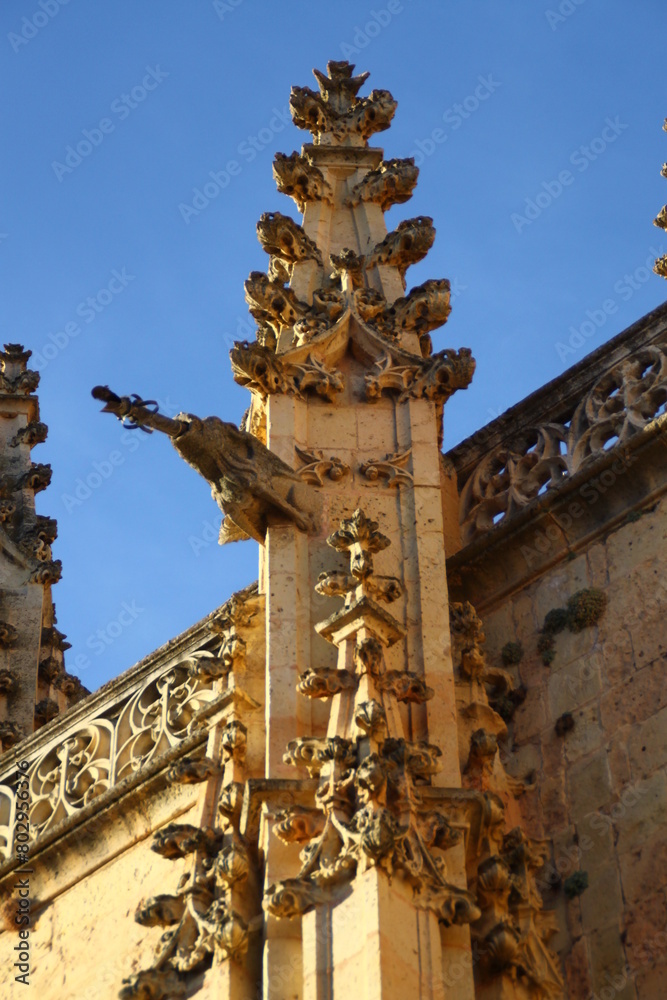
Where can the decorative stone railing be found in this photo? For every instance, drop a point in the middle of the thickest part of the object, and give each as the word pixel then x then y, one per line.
pixel 124 728
pixel 603 404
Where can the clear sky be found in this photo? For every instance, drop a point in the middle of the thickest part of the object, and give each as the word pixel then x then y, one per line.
pixel 537 126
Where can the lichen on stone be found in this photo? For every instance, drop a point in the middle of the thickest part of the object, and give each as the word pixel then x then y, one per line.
pixel 546 647
pixel 575 884
pixel 511 654
pixel 564 724
pixel 585 608
pixel 555 621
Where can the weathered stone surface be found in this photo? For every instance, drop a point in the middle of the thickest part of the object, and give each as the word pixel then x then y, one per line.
pixel 430 763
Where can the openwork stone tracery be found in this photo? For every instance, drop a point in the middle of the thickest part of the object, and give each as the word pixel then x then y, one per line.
pixel 616 409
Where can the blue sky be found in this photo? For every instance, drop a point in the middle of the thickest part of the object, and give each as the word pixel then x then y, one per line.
pixel 537 126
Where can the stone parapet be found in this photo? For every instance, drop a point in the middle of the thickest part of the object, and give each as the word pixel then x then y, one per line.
pixel 598 408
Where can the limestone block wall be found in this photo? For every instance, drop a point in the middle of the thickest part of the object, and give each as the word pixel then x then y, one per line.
pixel 85 941
pixel 590 740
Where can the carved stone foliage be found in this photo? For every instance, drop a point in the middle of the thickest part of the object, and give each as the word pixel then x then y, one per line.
pixel 201 921
pixel 392 183
pixel 153 984
pixel 282 237
pixel 298 825
pixel 8 635
pixel 317 467
pixel 36 542
pixel 407 245
pixel 262 371
pixel 177 840
pixel 51 636
pixel 204 917
pixel 277 308
pixel 512 936
pixel 297 177
pixel 37 478
pixel 193 770
pixel 324 683
pixel 483 682
pixel 7 510
pixel 15 379
pixel 71 687
pixel 10 734
pixel 271 304
pixel 204 924
pixel 336 114
pixel 619 405
pixel 32 434
pixel 394 335
pixel 45 711
pixel 435 378
pixel 201 915
pixel 406 686
pixel 50 669
pixel 8 681
pixel 660 267
pixel 47 572
pixel 390 469
pixel 426 307
pixel 372 816
pixel 371 809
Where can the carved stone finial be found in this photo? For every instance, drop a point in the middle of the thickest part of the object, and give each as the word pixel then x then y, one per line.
pixel 336 115
pixel 360 536
pixel 15 379
pixel 15 353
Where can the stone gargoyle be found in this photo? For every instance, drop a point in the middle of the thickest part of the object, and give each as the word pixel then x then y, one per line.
pixel 249 483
